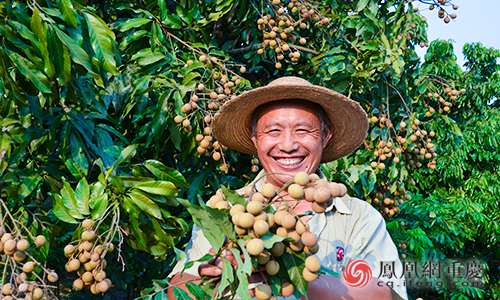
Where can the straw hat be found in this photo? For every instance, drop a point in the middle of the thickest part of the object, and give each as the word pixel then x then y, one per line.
pixel 232 124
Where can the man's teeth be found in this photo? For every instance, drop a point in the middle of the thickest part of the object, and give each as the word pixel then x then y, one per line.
pixel 289 161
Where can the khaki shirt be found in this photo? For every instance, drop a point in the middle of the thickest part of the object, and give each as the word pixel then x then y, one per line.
pixel 349 226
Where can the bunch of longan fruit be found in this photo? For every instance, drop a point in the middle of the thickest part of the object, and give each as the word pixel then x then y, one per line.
pixel 259 218
pixel 280 25
pixel 15 250
pixel 87 259
pixel 205 100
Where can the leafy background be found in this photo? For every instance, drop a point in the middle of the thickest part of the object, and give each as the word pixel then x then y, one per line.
pixel 91 88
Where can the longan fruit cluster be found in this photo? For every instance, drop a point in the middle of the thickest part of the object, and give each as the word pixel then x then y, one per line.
pixel 413 143
pixel 257 219
pixel 15 247
pixel 280 24
pixel 205 100
pixel 446 92
pixel 87 259
pixel 388 202
pixel 442 14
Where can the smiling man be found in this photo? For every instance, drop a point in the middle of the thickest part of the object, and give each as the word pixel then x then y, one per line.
pixel 293 126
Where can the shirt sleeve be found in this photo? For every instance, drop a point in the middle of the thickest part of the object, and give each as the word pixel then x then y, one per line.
pixel 369 240
pixel 197 247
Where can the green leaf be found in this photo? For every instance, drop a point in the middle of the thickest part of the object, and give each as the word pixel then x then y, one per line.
pixel 133 23
pixel 227 276
pixel 102 44
pixel 69 201
pixel 163 188
pixel 270 239
pixel 97 192
pixel 295 265
pixel 197 291
pixel 163 237
pixel 82 192
pixel 126 154
pixel 159 249
pixel 165 173
pixel 233 197
pixel 100 207
pixel 28 69
pixel 161 296
pixel 68 12
pixel 242 270
pixel 362 4
pixel 145 203
pixel 60 211
pixel 180 294
pixel 61 57
pixel 214 223
pixel 78 55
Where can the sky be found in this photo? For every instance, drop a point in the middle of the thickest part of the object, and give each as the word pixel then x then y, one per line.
pixel 477 21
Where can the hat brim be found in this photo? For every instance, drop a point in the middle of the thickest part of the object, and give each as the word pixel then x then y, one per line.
pixel 232 124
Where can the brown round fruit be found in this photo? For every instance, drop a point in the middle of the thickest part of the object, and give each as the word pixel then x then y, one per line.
pixel 8 289
pixel 29 267
pixel 309 239
pixel 260 227
pixel 311 250
pixel 87 224
pixel 6 237
pixel 272 267
pixel 268 190
pixel 263 257
pixel 322 194
pixel 246 220
pixel 40 240
pixel 318 208
pixel 254 207
pixel 103 286
pixel 301 178
pixel 9 246
pixel 277 249
pixel 279 215
pixel 255 246
pixel 74 265
pixel 309 276
pixel 87 277
pixel 37 294
pixel 288 221
pixel 309 194
pixel 53 277
pixel 22 245
pixel 296 191
pixel 286 288
pixel 263 292
pixel 236 208
pixel 301 227
pixel 78 284
pixel 19 256
pixel 313 264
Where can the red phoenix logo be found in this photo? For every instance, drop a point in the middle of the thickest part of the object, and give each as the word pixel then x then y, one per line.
pixel 357 273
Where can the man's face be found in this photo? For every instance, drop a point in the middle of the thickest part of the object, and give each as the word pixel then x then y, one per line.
pixel 289 139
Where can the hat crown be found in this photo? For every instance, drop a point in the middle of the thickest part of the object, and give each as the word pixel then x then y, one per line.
pixel 290 80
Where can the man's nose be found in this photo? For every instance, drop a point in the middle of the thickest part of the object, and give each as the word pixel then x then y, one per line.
pixel 288 142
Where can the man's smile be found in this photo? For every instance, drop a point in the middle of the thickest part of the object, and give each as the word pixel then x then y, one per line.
pixel 289 161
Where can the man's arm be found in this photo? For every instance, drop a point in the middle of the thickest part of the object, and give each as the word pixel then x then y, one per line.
pixel 333 288
pixel 177 279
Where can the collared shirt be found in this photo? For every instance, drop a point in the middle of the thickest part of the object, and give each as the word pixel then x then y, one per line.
pixel 349 229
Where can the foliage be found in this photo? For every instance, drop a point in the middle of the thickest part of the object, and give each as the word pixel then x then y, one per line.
pixel 91 88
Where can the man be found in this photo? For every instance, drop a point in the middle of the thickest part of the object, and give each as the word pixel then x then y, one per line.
pixel 294 126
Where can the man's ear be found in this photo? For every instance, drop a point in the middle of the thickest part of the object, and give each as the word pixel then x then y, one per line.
pixel 328 134
pixel 253 136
